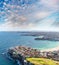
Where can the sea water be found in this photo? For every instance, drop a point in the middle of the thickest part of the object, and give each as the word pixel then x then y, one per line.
pixel 11 39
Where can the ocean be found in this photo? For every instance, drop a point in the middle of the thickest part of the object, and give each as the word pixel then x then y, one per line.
pixel 11 39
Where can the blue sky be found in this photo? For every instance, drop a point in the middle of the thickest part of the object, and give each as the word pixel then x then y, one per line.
pixel 29 15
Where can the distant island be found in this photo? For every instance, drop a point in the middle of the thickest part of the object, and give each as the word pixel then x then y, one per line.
pixel 29 56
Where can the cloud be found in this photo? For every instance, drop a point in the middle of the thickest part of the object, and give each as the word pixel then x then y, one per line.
pixel 50 4
pixel 30 15
pixel 56 22
pixel 42 14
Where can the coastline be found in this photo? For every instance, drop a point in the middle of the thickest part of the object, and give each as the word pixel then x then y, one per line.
pixel 51 49
pixel 22 53
pixel 43 50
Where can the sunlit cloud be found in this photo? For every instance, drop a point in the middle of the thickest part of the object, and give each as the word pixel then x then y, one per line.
pixel 29 15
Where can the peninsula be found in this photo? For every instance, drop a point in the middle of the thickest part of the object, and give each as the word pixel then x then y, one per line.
pixel 29 56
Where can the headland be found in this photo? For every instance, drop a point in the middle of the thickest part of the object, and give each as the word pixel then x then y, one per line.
pixel 26 55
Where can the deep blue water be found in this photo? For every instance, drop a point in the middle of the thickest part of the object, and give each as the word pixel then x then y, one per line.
pixel 11 39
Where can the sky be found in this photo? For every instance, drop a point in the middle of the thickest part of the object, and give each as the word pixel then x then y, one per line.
pixel 29 15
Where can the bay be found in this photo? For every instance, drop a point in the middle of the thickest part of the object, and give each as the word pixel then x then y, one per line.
pixel 11 39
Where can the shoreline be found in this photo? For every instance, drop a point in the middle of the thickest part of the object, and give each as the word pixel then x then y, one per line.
pixel 21 53
pixel 51 49
pixel 43 50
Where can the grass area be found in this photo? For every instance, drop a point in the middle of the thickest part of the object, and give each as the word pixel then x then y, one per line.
pixel 42 61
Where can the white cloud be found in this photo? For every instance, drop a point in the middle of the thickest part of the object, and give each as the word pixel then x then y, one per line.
pixel 30 17
pixel 50 3
pixel 42 14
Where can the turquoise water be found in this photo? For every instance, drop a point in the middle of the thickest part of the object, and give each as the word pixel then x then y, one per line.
pixel 10 39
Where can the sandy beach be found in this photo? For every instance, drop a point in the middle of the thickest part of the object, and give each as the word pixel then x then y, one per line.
pixel 52 49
